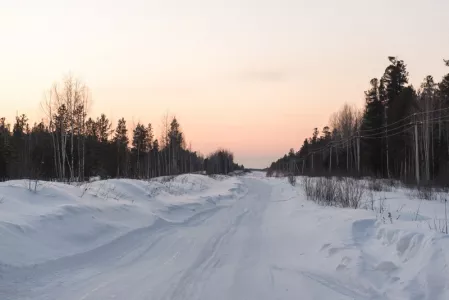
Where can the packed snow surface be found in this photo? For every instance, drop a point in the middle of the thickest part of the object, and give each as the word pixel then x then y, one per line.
pixel 197 237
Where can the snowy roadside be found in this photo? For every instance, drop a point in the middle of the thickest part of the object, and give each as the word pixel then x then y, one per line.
pixel 167 239
pixel 61 220
pixel 388 249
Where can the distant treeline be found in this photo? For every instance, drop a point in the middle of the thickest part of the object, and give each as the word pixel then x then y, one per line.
pixel 402 133
pixel 70 146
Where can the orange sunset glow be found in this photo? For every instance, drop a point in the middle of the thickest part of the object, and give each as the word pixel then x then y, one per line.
pixel 252 76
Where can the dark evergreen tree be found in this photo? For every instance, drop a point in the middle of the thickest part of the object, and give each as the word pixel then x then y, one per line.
pixel 395 79
pixel 175 146
pixel 5 149
pixel 121 141
pixel 103 128
pixel 444 87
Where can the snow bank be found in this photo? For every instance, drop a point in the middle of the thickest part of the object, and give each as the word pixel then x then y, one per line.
pixel 419 260
pixel 365 254
pixel 61 220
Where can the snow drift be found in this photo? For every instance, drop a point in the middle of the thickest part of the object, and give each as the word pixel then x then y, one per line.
pixel 61 220
pixel 389 249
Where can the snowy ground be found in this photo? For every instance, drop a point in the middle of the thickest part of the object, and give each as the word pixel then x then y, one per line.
pixel 194 237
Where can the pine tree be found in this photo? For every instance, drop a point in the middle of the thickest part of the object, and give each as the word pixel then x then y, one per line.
pixel 373 118
pixel 444 87
pixel 401 141
pixel 157 158
pixel 5 149
pixel 176 144
pixel 91 129
pixel 20 145
pixel 150 159
pixel 103 128
pixel 326 134
pixel 140 145
pixel 121 141
pixel 395 78
pixel 315 135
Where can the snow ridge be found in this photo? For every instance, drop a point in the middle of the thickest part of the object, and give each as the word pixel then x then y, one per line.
pixel 61 220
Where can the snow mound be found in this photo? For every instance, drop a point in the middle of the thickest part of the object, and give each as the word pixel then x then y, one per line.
pixel 366 254
pixel 60 220
pixel 421 258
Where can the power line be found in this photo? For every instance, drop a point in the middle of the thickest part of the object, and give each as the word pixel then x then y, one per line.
pixel 390 130
pixel 386 126
pixel 403 119
pixel 396 128
pixel 383 137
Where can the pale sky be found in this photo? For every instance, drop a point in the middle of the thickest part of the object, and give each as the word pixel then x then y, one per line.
pixel 254 76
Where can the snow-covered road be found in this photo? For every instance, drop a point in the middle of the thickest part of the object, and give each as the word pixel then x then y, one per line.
pixel 266 245
pixel 227 253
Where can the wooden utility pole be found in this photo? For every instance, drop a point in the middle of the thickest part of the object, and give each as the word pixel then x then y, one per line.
pixel 336 155
pixel 358 152
pixel 416 154
pixel 330 159
pixel 312 162
pixel 405 166
pixel 386 140
pixel 303 162
pixel 347 155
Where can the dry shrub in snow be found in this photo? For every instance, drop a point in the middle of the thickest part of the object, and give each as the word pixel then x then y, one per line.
pixel 308 186
pixel 345 192
pixel 350 192
pixel 379 185
pixel 292 179
pixel 425 191
pixel 375 185
pixel 321 190
pixel 327 191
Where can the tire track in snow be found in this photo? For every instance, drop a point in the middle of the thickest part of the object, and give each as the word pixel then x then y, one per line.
pixel 331 283
pixel 189 284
